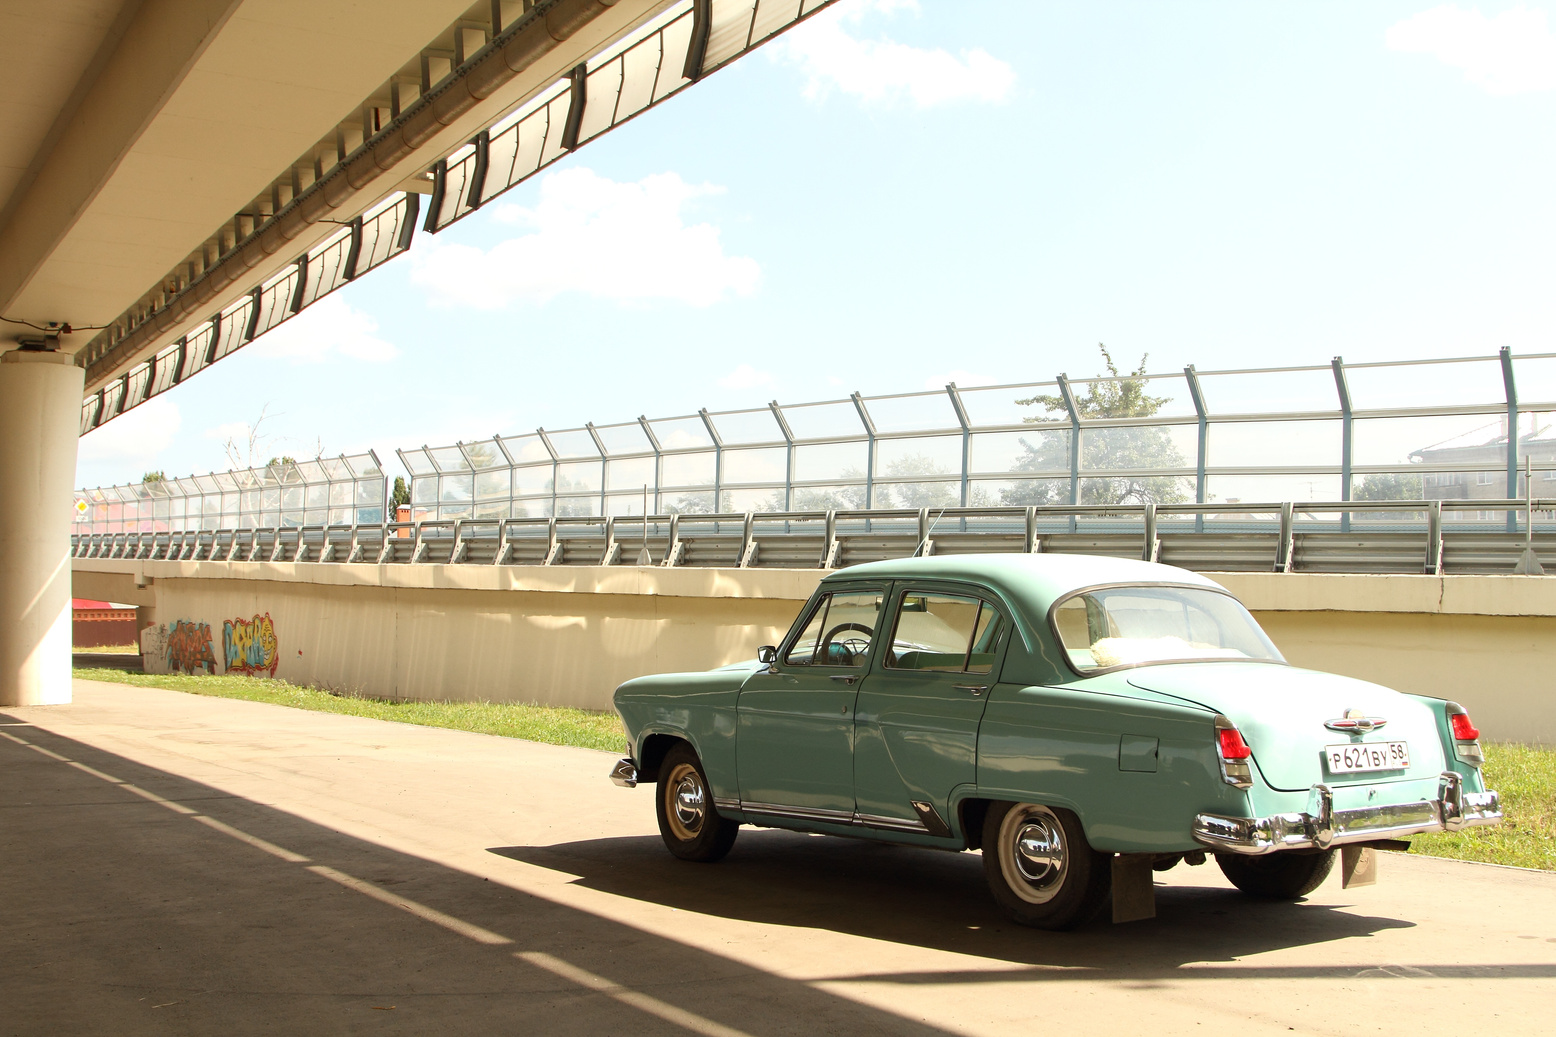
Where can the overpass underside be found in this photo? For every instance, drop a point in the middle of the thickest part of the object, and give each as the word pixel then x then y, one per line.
pixel 178 177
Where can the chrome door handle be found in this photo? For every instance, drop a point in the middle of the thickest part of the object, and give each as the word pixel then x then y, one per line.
pixel 976 689
pixel 846 678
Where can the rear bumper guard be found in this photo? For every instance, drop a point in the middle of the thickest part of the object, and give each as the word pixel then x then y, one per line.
pixel 625 773
pixel 1322 826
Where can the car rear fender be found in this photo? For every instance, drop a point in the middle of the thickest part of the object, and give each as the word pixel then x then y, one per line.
pixel 1135 769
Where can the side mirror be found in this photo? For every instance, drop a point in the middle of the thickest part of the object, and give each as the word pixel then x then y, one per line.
pixel 767 655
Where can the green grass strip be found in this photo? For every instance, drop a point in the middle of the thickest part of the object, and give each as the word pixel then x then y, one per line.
pixel 554 725
pixel 1525 775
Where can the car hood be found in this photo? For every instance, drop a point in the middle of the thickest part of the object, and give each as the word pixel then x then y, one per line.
pixel 1281 711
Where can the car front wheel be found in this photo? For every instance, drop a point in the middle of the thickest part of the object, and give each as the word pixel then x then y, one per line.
pixel 1277 876
pixel 1040 867
pixel 690 825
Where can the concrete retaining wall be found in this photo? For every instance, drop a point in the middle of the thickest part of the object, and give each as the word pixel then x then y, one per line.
pixel 569 635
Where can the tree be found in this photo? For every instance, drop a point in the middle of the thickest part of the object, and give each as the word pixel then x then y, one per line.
pixel 400 495
pixel 1136 446
pixel 1388 486
pixel 153 477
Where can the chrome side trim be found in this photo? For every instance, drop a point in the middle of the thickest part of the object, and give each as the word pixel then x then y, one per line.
pixel 890 824
pixel 625 773
pixel 832 817
pixel 1324 826
pixel 837 817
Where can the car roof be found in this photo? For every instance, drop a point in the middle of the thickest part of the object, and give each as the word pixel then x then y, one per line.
pixel 1033 578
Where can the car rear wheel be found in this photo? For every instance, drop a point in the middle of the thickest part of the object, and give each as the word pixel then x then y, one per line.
pixel 1277 876
pixel 1040 867
pixel 688 822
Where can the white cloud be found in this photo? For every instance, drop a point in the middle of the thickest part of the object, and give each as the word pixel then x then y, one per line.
pixel 626 242
pixel 745 377
pixel 882 71
pixel 329 326
pixel 1510 53
pixel 135 438
pixel 964 379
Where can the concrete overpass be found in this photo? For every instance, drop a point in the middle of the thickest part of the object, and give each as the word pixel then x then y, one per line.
pixel 179 176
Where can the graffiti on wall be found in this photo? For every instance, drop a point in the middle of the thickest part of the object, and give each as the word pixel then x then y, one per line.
pixel 251 645
pixel 189 647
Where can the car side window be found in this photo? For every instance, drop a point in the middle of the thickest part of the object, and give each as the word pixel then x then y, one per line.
pixel 839 632
pixel 944 633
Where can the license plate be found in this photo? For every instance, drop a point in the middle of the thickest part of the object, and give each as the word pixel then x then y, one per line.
pixel 1367 756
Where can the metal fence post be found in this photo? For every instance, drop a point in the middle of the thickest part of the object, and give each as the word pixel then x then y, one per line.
pixel 961 417
pixel 1506 356
pixel 1346 428
pixel 1075 444
pixel 556 469
pixel 788 464
pixel 869 459
pixel 1204 444
pixel 659 461
pixel 718 463
pixel 599 445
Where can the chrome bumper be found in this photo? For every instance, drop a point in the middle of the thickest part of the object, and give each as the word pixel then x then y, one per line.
pixel 1322 826
pixel 625 773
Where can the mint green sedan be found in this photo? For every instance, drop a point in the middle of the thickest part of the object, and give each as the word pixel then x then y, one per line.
pixel 1083 721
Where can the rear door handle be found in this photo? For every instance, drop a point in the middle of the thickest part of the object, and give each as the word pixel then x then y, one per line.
pixel 975 689
pixel 846 678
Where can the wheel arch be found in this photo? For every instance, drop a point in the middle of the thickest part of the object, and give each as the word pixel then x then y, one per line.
pixel 652 748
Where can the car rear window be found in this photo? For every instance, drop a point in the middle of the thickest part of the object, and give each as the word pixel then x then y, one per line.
pixel 1113 627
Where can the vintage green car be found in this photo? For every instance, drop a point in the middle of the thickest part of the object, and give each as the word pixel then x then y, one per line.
pixel 1081 720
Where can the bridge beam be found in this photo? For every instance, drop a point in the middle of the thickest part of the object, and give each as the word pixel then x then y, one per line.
pixel 40 395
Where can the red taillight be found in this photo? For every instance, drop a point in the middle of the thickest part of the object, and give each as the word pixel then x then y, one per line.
pixel 1463 729
pixel 1232 745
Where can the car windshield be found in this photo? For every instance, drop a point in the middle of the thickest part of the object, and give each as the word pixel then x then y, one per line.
pixel 1134 626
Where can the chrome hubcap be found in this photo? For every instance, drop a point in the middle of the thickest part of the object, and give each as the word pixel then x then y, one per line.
pixel 1039 850
pixel 1033 853
pixel 686 801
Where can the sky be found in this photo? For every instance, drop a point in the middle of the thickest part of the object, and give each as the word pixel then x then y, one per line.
pixel 898 194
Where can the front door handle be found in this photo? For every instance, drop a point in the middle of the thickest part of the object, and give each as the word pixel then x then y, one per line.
pixel 975 689
pixel 846 678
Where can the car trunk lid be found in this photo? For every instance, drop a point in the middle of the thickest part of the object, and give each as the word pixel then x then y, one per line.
pixel 1282 712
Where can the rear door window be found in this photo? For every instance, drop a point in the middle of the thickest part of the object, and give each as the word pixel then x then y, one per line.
pixel 944 633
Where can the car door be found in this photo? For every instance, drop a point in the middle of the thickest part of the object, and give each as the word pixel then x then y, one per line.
pixel 916 721
pixel 795 722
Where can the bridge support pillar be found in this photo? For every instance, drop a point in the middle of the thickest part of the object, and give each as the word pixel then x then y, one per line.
pixel 40 419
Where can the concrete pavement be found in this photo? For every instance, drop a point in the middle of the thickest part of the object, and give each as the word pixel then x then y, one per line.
pixel 176 864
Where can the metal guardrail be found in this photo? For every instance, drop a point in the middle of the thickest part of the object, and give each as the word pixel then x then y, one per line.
pixel 1383 537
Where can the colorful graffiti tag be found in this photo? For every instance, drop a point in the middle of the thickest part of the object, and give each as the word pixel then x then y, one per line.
pixel 189 647
pixel 251 645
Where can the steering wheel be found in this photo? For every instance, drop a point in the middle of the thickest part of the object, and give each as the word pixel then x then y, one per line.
pixel 855 645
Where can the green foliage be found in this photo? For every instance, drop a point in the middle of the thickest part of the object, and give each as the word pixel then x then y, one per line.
pixel 153 477
pixel 700 504
pixel 284 459
pixel 1101 448
pixel 1525 777
pixel 1388 486
pixel 400 495
pixel 555 725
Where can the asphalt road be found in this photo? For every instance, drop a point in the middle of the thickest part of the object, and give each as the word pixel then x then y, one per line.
pixel 176 864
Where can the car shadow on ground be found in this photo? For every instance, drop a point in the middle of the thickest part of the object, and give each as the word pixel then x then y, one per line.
pixel 934 899
pixel 138 901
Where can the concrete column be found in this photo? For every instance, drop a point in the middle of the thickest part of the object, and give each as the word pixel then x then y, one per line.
pixel 40 421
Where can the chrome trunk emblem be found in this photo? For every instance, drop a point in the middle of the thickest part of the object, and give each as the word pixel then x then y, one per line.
pixel 1355 722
